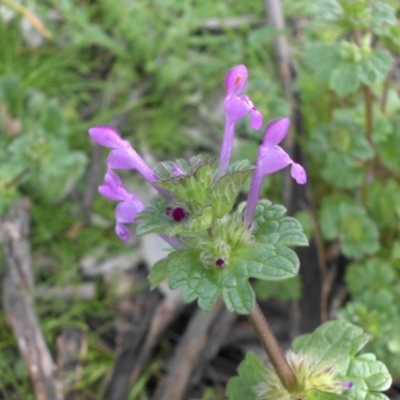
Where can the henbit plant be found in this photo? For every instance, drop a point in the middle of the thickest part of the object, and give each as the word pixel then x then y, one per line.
pixel 218 245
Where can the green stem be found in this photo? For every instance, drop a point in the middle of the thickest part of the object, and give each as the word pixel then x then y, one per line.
pixel 273 349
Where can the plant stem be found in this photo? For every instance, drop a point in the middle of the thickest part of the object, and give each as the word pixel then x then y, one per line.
pixel 368 113
pixel 273 349
pixel 386 91
pixel 368 134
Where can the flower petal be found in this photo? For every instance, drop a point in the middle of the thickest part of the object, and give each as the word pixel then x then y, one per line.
pixel 272 160
pixel 121 159
pixel 236 80
pixel 106 136
pixel 276 131
pixel 235 109
pixel 112 180
pixel 117 194
pixel 122 232
pixel 126 211
pixel 298 173
pixel 256 119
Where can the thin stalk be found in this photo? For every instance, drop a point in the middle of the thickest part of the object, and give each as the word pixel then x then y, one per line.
pixel 17 179
pixel 368 113
pixel 368 134
pixel 273 349
pixel 386 91
pixel 37 24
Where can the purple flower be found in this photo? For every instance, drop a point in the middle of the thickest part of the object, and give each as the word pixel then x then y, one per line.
pixel 126 210
pixel 123 156
pixel 271 158
pixel 236 107
pixel 347 385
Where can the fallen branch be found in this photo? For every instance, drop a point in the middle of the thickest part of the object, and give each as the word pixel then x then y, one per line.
pixel 17 285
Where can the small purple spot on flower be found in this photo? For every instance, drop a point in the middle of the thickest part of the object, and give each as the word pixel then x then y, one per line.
pixel 177 214
pixel 220 262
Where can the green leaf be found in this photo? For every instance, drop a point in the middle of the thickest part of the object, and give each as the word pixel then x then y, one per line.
pixel 342 172
pixel 337 343
pixel 185 269
pixel 154 219
pixel 383 14
pixel 328 10
pixel 334 342
pixel 382 203
pixel 54 183
pixel 368 375
pixel 53 120
pixel 344 79
pixel 375 67
pixel 341 219
pixel 251 372
pixel 371 275
pixel 271 228
pixel 323 59
pixel 225 192
pixel 318 395
pixel 239 298
pixel 158 273
pixel 193 189
pixel 265 261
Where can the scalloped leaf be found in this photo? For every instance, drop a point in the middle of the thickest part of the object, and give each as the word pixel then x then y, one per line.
pixel 159 273
pixel 265 261
pixel 337 343
pixel 240 298
pixel 273 228
pixel 251 372
pixel 342 219
pixel 375 67
pixel 334 342
pixel 186 270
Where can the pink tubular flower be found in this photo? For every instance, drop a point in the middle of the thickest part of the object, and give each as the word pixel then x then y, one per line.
pixel 271 158
pixel 129 205
pixel 123 156
pixel 237 106
pixel 125 213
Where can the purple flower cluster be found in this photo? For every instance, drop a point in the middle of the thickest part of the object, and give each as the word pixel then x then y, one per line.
pixel 123 156
pixel 271 157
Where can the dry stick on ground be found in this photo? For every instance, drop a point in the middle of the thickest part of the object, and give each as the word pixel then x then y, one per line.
pixel 17 285
pixel 72 347
pixel 166 312
pixel 197 347
pixel 134 326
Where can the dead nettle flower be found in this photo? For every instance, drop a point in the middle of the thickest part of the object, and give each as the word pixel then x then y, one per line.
pixel 271 158
pixel 127 208
pixel 236 107
pixel 123 155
